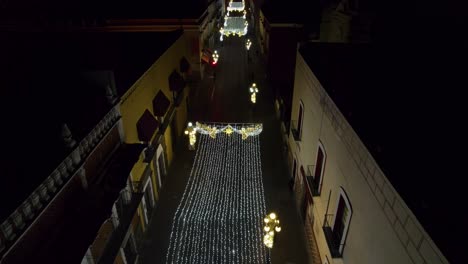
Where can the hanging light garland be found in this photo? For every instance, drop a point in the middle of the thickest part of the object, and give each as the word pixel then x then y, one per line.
pixel 246 130
pixel 217 220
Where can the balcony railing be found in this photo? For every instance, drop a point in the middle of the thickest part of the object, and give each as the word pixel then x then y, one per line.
pixel 295 130
pixel 23 216
pixel 333 241
pixel 126 207
pixel 311 181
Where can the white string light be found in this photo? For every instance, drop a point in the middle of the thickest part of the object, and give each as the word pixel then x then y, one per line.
pixel 219 218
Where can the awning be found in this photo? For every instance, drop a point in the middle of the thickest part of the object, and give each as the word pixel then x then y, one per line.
pixel 160 104
pixel 207 55
pixel 176 82
pixel 146 126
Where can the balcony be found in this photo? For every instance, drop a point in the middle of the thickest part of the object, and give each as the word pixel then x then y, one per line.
pixel 333 241
pixel 126 207
pixel 25 215
pixel 295 130
pixel 314 187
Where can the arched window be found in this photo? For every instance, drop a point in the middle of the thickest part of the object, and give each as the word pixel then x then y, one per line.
pixel 341 220
pixel 300 118
pixel 336 226
pixel 319 169
pixel 297 124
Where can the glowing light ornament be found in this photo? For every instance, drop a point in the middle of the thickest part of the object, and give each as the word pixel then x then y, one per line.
pixel 228 130
pixel 221 30
pixel 253 93
pixel 248 43
pixel 215 57
pixel 217 218
pixel 271 228
pixel 191 131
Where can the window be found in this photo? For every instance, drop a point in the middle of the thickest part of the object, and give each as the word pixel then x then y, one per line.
pixel 336 230
pixel 297 124
pixel 299 119
pixel 319 169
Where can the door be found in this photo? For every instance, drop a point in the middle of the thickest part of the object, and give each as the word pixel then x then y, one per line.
pixel 161 168
pixel 304 195
pixel 318 169
pixel 149 201
pixel 340 221
pixel 158 176
pixel 174 132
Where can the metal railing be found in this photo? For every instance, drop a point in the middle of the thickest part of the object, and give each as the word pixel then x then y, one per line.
pixel 333 241
pixel 18 222
pixel 126 205
pixel 313 184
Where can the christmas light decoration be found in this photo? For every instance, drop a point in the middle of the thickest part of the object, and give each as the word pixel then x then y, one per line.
pixel 191 131
pixel 236 6
pixel 253 93
pixel 219 216
pixel 215 57
pixel 271 227
pixel 248 43
pixel 234 26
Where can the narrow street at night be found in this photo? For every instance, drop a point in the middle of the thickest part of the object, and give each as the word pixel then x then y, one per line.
pixel 232 132
pixel 226 99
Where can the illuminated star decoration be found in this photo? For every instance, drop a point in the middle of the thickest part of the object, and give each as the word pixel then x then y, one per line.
pixel 219 216
pixel 228 130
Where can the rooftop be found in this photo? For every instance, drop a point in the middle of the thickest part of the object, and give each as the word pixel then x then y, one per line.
pixel 301 12
pixel 400 98
pixel 42 88
pixel 104 9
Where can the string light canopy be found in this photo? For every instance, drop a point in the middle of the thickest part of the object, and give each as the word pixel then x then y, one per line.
pixel 233 26
pixel 217 220
pixel 236 6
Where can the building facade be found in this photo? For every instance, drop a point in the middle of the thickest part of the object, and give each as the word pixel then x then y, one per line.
pixel 95 206
pixel 351 212
pixel 154 113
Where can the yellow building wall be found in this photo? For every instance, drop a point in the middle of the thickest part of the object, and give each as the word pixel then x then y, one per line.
pixel 140 96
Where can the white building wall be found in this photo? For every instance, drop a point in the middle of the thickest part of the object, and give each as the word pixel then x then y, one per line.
pixel 382 228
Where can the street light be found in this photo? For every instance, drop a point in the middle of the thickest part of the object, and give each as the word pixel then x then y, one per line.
pixel 271 228
pixel 253 93
pixel 191 131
